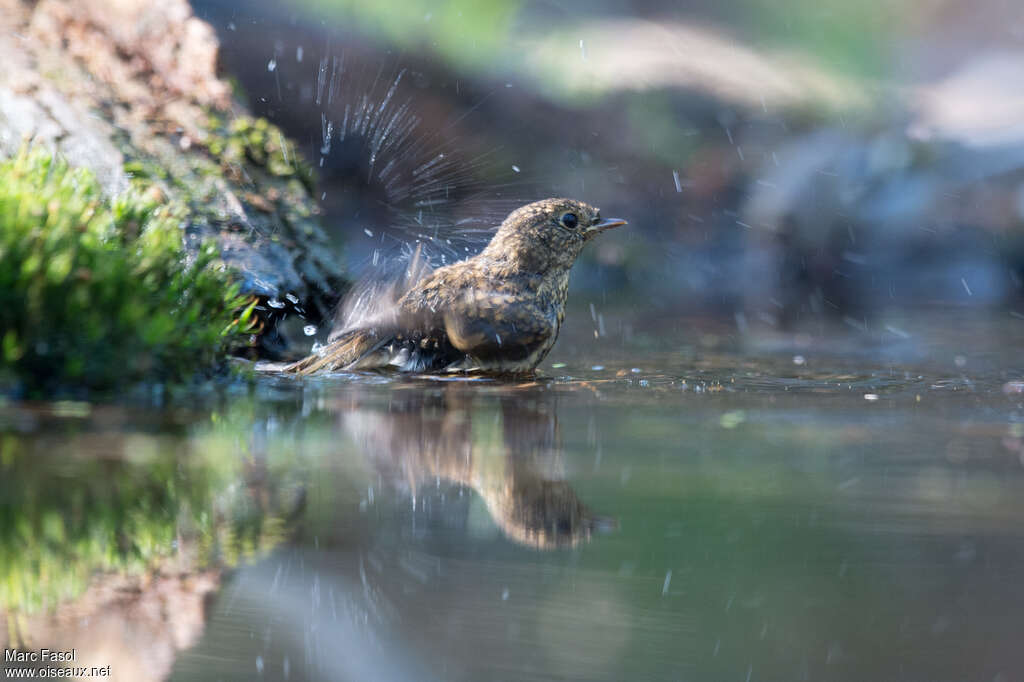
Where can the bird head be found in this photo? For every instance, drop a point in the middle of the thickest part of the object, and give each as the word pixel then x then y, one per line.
pixel 548 234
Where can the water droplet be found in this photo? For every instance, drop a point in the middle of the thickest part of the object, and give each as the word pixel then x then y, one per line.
pixel 515 168
pixel 271 65
pixel 309 330
pixel 274 303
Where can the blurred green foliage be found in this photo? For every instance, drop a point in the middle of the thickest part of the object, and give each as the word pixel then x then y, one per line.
pixel 852 38
pixel 468 34
pixel 847 37
pixel 97 292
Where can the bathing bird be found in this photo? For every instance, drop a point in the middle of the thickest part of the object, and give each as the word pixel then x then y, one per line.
pixel 496 312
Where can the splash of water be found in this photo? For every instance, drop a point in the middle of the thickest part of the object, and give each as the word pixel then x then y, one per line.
pixel 435 192
pixel 440 200
pixel 373 301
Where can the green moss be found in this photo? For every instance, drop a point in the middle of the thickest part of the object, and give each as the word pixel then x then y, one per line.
pixel 95 292
pixel 247 140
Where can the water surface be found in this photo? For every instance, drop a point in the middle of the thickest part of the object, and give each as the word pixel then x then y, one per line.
pixel 669 500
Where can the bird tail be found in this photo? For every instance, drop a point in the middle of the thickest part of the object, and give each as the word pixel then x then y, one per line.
pixel 354 349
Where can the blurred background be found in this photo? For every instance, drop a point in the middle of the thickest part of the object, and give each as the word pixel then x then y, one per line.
pixel 777 162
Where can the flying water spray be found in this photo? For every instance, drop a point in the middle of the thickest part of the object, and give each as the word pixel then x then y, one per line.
pixel 407 194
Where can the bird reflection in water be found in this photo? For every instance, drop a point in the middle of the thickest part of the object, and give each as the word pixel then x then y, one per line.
pixel 505 448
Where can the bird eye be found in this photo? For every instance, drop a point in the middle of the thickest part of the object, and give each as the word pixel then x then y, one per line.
pixel 569 220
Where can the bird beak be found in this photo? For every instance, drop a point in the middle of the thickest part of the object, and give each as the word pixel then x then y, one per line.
pixel 605 225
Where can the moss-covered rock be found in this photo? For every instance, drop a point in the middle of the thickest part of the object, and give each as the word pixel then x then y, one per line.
pixel 130 91
pixel 95 291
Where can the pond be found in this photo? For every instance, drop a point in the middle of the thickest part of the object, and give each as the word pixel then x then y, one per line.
pixel 668 499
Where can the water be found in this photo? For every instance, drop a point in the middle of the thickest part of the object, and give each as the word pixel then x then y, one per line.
pixel 830 504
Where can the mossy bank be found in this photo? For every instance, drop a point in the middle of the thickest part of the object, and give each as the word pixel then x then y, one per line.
pixel 96 292
pixel 153 224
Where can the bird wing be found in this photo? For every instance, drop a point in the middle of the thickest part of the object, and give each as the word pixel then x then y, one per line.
pixel 392 338
pixel 446 320
pixel 497 328
pixel 490 326
pixel 386 320
pixel 354 349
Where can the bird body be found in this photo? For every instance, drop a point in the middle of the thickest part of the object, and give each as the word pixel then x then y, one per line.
pixel 499 311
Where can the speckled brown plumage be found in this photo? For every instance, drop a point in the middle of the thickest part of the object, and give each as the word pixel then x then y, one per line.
pixel 499 311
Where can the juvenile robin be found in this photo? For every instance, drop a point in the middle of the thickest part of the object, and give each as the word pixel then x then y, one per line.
pixel 499 311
